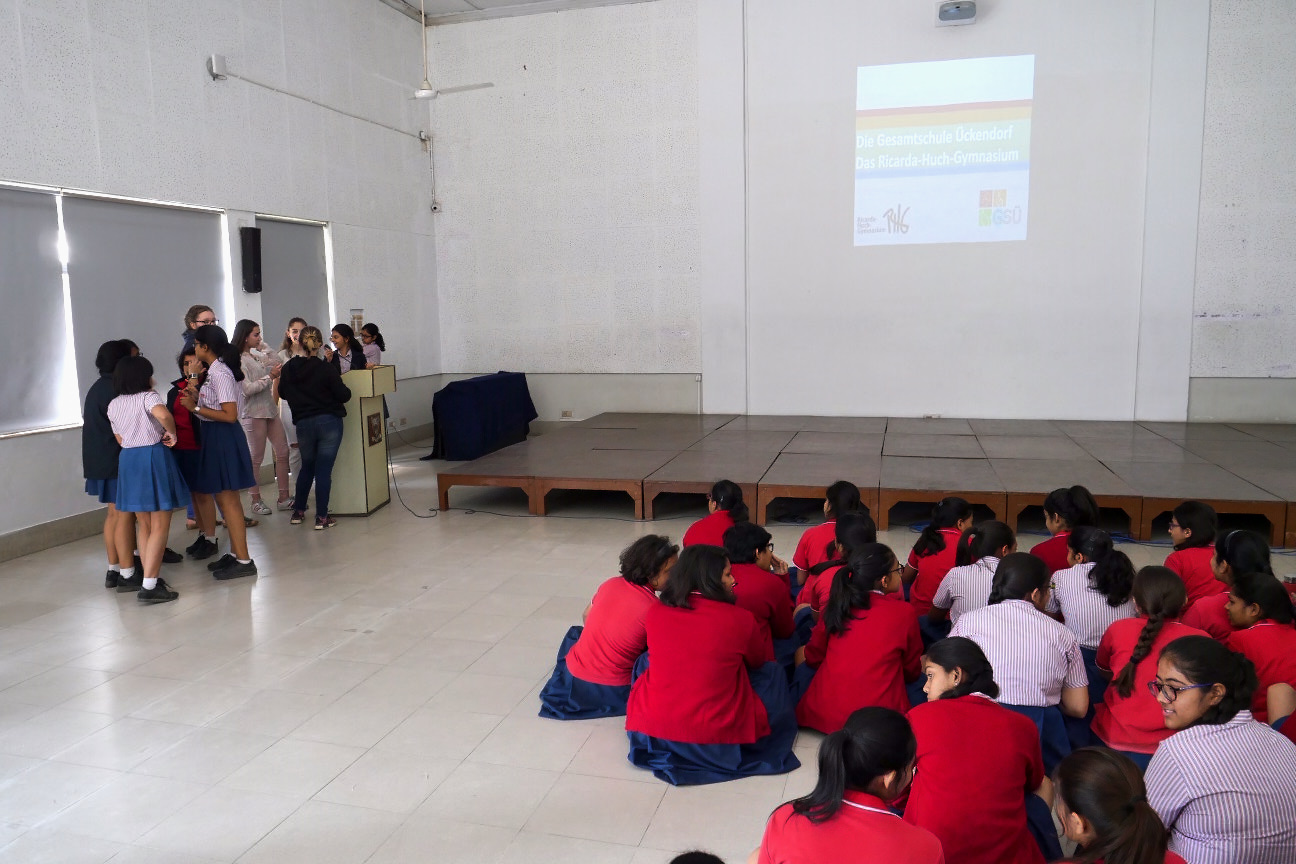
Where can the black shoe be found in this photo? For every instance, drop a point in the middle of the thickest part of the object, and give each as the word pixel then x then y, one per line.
pixel 110 581
pixel 236 570
pixel 222 562
pixel 159 593
pixel 202 548
pixel 139 565
pixel 134 583
pixel 170 556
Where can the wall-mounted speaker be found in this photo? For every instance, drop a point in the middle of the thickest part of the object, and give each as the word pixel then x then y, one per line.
pixel 250 244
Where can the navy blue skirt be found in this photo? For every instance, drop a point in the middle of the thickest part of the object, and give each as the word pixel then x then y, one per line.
pixel 681 764
pixel 567 697
pixel 1039 820
pixel 932 631
pixel 1054 742
pixel 224 462
pixel 1142 760
pixel 148 481
pixel 187 462
pixel 104 490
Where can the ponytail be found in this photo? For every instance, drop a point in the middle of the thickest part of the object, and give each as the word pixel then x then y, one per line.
pixel 853 584
pixel 959 652
pixel 1018 575
pixel 981 540
pixel 853 531
pixel 216 341
pixel 947 513
pixel 371 330
pixel 1204 661
pixel 1075 506
pixel 1263 590
pixel 843 497
pixel 1199 520
pixel 1243 552
pixel 1113 573
pixel 728 495
pixel 1106 789
pixel 1161 595
pixel 873 742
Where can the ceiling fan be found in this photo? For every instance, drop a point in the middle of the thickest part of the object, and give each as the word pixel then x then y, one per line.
pixel 425 89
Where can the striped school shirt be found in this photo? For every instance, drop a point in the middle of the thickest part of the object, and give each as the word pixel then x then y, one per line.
pixel 1033 656
pixel 1084 610
pixel 966 588
pixel 130 418
pixel 219 388
pixel 1227 792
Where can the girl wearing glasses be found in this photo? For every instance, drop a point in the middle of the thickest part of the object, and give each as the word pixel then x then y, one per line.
pixel 1005 767
pixel 1103 808
pixel 1192 530
pixel 1235 552
pixel 1260 610
pixel 865 648
pixel 760 586
pixel 1222 783
pixel 1129 719
pixel 863 768
pixel 726 508
pixel 1037 660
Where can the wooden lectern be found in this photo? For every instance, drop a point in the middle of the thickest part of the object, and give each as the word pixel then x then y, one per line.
pixel 360 483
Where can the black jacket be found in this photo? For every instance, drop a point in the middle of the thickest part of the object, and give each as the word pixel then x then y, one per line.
pixel 358 360
pixel 99 447
pixel 313 386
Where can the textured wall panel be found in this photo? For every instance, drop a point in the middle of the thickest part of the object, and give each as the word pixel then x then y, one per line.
pixel 1244 322
pixel 568 240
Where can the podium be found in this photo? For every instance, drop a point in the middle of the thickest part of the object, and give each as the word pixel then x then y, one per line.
pixel 360 482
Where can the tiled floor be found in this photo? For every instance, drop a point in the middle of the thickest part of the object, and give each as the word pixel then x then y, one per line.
pixel 370 698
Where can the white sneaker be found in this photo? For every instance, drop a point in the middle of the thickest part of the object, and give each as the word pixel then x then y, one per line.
pixel 259 508
pixel 286 504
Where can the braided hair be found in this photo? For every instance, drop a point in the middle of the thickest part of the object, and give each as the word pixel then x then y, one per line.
pixel 1161 595
pixel 1204 661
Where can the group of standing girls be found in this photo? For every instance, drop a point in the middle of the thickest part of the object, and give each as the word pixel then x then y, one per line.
pixel 1064 676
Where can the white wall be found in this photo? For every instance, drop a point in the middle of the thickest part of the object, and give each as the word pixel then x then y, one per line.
pixel 112 96
pixel 568 241
pixel 1244 322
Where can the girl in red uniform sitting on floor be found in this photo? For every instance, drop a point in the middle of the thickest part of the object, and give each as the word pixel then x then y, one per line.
pixel 847 819
pixel 854 531
pixel 1129 719
pixel 1260 610
pixel 1064 510
pixel 726 508
pixel 933 555
pixel 864 649
pixel 592 675
pixel 1103 807
pixel 1282 705
pixel 1192 530
pixel 759 586
pixel 1222 783
pixel 1005 767
pixel 967 586
pixel 1036 659
pixel 816 544
pixel 1235 552
pixel 709 704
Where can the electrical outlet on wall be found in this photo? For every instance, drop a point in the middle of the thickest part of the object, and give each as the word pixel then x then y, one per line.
pixel 567 415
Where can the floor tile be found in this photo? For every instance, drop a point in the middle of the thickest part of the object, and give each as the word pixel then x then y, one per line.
pixel 460 842
pixel 293 769
pixel 47 789
pixel 597 808
pixel 486 794
pixel 125 744
pixel 51 732
pixel 530 847
pixel 322 833
pixel 38 847
pixel 440 732
pixel 223 823
pixel 206 756
pixel 532 742
pixel 391 780
pixel 126 808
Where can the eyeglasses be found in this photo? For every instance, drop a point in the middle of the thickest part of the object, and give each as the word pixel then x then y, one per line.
pixel 1174 525
pixel 1171 693
pixel 212 321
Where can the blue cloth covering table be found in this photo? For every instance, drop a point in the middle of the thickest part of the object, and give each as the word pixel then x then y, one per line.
pixel 480 415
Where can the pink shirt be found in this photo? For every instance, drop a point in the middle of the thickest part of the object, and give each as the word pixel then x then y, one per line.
pixel 614 634
pixel 130 418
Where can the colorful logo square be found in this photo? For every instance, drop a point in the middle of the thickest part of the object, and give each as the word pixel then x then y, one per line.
pixel 987 197
pixel 984 221
pixel 1000 198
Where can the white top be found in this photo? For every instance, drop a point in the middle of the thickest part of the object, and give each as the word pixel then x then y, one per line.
pixel 220 387
pixel 1086 612
pixel 258 387
pixel 966 588
pixel 131 419
pixel 1033 656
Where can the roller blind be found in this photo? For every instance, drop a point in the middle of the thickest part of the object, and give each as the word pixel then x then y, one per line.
pixel 35 387
pixel 134 269
pixel 294 283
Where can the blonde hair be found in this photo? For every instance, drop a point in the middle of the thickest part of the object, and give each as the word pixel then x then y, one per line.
pixel 311 339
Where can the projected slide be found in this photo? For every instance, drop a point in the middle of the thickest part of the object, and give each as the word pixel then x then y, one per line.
pixel 942 151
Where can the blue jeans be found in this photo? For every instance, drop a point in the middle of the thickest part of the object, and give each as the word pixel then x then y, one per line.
pixel 318 439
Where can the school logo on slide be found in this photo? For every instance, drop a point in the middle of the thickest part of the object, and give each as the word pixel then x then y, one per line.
pixel 995 210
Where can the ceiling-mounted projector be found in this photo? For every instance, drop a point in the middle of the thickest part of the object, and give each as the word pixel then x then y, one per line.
pixel 955 12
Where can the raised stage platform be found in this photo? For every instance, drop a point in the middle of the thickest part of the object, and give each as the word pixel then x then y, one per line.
pixel 1142 469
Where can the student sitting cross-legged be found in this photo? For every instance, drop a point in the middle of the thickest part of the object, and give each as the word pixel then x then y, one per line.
pixel 591 677
pixel 709 704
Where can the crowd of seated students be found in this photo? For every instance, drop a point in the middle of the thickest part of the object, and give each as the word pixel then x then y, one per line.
pixel 979 704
